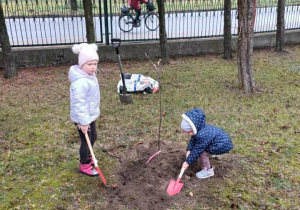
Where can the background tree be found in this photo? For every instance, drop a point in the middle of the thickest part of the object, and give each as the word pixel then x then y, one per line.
pixel 73 4
pixel 162 32
pixel 89 21
pixel 280 26
pixel 227 30
pixel 8 57
pixel 245 45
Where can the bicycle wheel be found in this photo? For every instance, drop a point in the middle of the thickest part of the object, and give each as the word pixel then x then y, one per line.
pixel 151 21
pixel 126 23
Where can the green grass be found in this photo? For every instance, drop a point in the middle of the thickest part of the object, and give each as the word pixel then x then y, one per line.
pixel 39 145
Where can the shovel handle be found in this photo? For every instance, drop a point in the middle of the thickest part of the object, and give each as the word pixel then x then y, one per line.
pixel 91 149
pixel 181 173
pixel 116 44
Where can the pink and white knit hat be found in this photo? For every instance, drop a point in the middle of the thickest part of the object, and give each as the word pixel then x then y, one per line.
pixel 86 52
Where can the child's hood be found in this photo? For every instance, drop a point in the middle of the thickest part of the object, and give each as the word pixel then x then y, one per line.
pixel 76 73
pixel 196 118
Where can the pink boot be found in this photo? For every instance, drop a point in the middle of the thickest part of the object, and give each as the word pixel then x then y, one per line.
pixel 88 169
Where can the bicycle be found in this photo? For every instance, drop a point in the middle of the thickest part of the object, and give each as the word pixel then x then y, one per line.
pixel 126 19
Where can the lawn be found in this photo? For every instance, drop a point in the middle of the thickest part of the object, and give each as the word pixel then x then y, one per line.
pixel 39 144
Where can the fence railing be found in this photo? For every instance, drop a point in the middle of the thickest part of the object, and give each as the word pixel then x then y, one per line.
pixel 56 22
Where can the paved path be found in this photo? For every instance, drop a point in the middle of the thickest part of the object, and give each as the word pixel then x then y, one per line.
pixel 60 30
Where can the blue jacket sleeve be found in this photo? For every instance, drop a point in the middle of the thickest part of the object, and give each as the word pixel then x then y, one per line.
pixel 196 151
pixel 191 144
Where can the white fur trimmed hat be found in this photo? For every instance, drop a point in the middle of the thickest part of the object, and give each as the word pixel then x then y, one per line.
pixel 86 52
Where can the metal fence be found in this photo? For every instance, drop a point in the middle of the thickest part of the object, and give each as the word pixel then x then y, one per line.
pixel 55 22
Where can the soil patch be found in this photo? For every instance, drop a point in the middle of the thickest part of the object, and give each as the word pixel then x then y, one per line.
pixel 144 186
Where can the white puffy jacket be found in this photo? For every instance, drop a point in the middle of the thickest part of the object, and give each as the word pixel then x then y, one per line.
pixel 84 96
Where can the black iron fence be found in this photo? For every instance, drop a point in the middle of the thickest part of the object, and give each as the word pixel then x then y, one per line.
pixel 55 22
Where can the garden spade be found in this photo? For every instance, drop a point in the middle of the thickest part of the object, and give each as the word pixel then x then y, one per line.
pixel 125 97
pixel 94 159
pixel 174 187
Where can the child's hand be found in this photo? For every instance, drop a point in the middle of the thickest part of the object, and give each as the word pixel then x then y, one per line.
pixel 188 153
pixel 84 128
pixel 185 165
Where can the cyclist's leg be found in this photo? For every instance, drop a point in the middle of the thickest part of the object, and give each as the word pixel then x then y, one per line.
pixel 138 14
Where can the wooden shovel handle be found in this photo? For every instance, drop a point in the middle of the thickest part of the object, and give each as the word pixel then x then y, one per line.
pixel 91 148
pixel 181 173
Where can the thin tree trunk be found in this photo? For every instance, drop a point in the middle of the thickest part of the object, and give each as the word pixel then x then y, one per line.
pixel 280 26
pixel 89 22
pixel 162 32
pixel 245 45
pixel 8 57
pixel 227 30
pixel 73 4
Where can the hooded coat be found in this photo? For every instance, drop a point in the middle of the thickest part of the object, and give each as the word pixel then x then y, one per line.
pixel 84 96
pixel 207 138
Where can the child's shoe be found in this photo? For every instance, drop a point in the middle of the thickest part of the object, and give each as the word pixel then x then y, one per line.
pixel 205 173
pixel 88 169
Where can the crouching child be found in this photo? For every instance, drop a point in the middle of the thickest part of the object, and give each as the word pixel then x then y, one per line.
pixel 206 140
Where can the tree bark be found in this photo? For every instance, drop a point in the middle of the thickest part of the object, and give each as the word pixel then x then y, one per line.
pixel 227 30
pixel 89 21
pixel 280 26
pixel 10 69
pixel 245 46
pixel 162 32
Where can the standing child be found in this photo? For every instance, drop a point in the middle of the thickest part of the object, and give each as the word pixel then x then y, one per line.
pixel 206 140
pixel 85 101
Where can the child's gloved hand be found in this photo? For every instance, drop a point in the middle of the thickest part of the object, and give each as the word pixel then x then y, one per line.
pixel 188 153
pixel 185 165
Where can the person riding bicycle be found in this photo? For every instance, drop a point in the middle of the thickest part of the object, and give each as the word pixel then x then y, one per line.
pixel 135 4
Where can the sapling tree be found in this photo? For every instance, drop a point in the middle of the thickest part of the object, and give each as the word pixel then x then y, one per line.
pixel 157 70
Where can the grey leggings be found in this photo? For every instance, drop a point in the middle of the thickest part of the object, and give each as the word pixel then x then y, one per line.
pixel 84 148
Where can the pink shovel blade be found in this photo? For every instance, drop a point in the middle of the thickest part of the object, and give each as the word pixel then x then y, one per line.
pixel 174 187
pixel 101 175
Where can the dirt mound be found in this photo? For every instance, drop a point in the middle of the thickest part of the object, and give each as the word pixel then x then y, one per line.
pixel 144 186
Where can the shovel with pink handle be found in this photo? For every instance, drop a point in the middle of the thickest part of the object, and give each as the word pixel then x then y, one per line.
pixel 174 187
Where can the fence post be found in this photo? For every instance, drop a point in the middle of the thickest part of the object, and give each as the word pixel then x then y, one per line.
pixel 106 23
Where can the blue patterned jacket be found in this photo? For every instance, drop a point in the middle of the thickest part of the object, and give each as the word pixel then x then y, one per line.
pixel 208 138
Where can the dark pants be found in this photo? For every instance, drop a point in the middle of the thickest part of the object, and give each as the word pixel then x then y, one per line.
pixel 138 14
pixel 84 148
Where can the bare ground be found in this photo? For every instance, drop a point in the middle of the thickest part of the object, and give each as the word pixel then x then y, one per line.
pixel 144 186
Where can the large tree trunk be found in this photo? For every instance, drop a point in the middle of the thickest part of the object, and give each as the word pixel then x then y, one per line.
pixel 8 57
pixel 227 30
pixel 162 32
pixel 245 45
pixel 89 21
pixel 280 26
